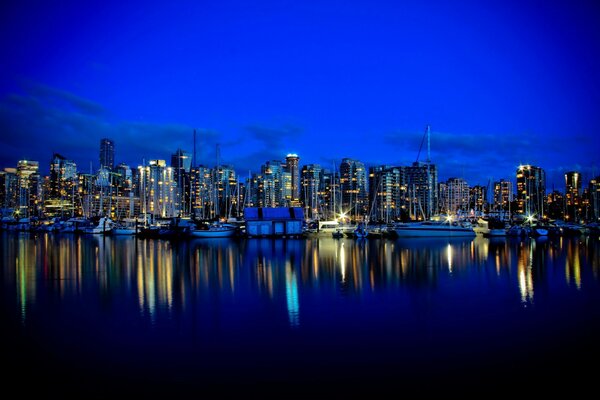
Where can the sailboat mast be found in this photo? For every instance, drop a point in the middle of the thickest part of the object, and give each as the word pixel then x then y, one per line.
pixel 429 182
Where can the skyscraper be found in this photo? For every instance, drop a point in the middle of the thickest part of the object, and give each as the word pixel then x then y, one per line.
pixel 107 153
pixel 353 184
pixel 181 162
pixel 387 192
pixel 503 194
pixel 157 189
pixel 422 190
pixel 291 166
pixel 594 199
pixel 311 185
pixel 29 186
pixel 531 189
pixel 572 195
pixel 62 186
pixel 63 174
pixel 9 187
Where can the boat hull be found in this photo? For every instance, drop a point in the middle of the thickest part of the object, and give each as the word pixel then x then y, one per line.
pixel 123 231
pixel 419 230
pixel 200 233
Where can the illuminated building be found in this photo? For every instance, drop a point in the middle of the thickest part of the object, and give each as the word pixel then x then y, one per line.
pixel 29 188
pixel 572 195
pixel 157 188
pixel 292 167
pixel 353 186
pixel 531 190
pixel 202 194
pixel 107 153
pixel 594 193
pixel 454 196
pixel 225 190
pixel 311 184
pixel 503 194
pixel 422 190
pixel 330 195
pixel 478 199
pixel 9 188
pixel 61 190
pixel 181 162
pixel 272 187
pixel 387 192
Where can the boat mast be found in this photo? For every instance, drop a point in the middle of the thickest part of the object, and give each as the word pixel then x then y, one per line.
pixel 429 183
pixel 193 188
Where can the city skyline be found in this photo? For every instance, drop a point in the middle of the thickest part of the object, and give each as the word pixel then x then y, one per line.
pixel 499 86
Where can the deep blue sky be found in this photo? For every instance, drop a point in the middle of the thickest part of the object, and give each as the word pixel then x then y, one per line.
pixel 500 84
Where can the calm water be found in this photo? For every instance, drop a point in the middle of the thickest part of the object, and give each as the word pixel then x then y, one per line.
pixel 102 316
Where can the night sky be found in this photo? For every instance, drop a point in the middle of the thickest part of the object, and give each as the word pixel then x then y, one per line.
pixel 501 84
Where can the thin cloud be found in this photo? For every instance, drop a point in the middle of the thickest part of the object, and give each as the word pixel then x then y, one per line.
pixel 63 99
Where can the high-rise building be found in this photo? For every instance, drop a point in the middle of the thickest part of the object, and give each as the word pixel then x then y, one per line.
pixel 503 194
pixel 556 205
pixel 387 191
pixel 531 190
pixel 353 185
pixel 572 195
pixel 478 199
pixel 107 153
pixel 277 187
pixel 225 190
pixel 454 198
pixel 124 178
pixel 61 188
pixel 181 162
pixel 311 186
pixel 594 199
pixel 30 187
pixel 158 190
pixel 9 189
pixel 422 190
pixel 330 195
pixel 292 166
pixel 202 184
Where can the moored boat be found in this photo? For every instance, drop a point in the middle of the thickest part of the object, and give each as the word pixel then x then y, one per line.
pixel 434 229
pixel 214 231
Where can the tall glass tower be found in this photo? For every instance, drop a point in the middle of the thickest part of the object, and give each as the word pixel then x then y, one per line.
pixel 107 153
pixel 291 166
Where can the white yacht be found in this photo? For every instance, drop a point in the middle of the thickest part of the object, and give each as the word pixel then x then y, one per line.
pixel 105 225
pixel 434 229
pixel 327 228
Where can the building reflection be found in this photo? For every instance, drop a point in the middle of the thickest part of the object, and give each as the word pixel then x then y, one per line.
pixel 163 278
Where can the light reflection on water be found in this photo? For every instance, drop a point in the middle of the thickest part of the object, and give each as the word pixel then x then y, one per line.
pixel 213 312
pixel 159 273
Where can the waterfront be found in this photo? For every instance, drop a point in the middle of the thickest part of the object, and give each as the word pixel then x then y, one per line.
pixel 113 315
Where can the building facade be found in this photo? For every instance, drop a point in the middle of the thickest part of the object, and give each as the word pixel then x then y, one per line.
pixel 107 153
pixel 354 189
pixel 531 190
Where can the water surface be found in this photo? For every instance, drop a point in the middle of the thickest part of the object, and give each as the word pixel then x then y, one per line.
pixel 95 316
